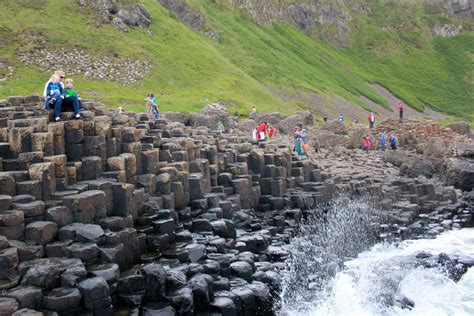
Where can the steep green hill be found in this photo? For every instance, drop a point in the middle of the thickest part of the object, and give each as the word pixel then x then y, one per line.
pixel 392 45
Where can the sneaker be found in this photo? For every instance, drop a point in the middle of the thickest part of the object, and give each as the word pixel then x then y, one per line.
pixel 57 119
pixel 78 116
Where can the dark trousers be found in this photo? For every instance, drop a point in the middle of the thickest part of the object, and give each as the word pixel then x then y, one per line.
pixel 401 114
pixel 371 124
pixel 62 103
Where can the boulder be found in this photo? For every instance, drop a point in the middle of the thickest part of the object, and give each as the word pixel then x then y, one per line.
pixel 288 124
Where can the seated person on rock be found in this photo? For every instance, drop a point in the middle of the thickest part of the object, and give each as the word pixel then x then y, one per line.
pixel 47 97
pixel 68 98
pixel 54 90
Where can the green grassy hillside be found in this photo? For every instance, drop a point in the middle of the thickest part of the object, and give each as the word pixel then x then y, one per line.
pixel 249 59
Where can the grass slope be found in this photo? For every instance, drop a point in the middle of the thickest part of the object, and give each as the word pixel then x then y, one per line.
pixel 188 67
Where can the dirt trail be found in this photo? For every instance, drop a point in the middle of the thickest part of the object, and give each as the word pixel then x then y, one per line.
pixel 333 106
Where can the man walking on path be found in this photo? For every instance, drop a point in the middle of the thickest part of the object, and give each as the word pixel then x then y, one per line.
pixel 371 120
pixel 400 109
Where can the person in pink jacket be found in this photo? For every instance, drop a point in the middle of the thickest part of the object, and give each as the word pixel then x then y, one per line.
pixel 371 119
pixel 367 144
pixel 400 108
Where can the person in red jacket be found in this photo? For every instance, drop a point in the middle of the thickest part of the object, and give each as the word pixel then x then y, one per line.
pixel 271 131
pixel 367 144
pixel 262 131
pixel 400 108
pixel 371 119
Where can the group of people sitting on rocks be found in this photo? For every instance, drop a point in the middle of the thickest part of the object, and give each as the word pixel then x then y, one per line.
pixel 264 131
pixel 367 142
pixel 59 94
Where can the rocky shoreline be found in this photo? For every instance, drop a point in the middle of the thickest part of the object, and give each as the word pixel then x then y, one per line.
pixel 116 213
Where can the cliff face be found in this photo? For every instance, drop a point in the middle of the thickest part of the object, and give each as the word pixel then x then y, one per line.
pixel 333 21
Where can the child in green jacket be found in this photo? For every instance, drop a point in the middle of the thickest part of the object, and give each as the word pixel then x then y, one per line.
pixel 69 90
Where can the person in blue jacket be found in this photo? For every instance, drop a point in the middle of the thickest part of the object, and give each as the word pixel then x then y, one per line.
pixel 393 142
pixel 382 141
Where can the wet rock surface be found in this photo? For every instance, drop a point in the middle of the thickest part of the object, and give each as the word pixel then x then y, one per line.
pixel 121 213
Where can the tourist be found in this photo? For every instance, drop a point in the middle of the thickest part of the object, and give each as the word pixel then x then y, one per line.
pixel 301 141
pixel 262 131
pixel 61 75
pixel 371 119
pixel 253 114
pixel 341 119
pixel 121 110
pixel 400 108
pixel 382 141
pixel 393 142
pixel 71 95
pixel 60 101
pixel 271 131
pixel 54 90
pixel 148 103
pixel 220 127
pixel 255 134
pixel 367 144
pixel 154 107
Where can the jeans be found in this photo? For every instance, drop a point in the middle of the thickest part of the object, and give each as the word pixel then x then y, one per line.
pixel 382 146
pixel 58 105
pixel 401 114
pixel 371 124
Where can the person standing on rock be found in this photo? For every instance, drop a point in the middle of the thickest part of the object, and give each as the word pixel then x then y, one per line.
pixel 262 131
pixel 154 107
pixel 253 114
pixel 301 141
pixel 393 142
pixel 367 144
pixel 382 141
pixel 148 103
pixel 400 108
pixel 220 127
pixel 271 131
pixel 371 119
pixel 341 119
